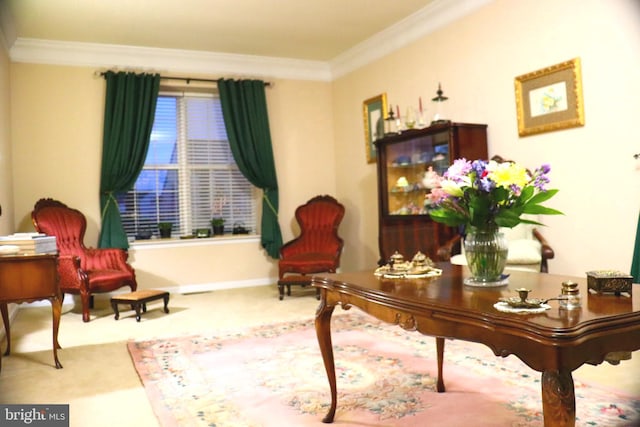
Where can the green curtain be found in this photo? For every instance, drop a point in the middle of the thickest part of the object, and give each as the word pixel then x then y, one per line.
pixel 130 107
pixel 635 262
pixel 244 107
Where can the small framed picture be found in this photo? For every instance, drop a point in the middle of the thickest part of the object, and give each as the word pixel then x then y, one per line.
pixel 550 99
pixel 374 112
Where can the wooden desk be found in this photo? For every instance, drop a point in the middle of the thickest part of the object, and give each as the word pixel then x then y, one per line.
pixel 555 342
pixel 28 278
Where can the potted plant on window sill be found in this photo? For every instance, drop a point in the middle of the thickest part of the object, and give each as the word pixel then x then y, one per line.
pixel 165 229
pixel 218 226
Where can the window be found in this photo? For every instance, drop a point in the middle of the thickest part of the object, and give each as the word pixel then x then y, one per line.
pixel 189 175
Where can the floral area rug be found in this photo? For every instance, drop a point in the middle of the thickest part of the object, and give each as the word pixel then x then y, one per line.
pixel 273 375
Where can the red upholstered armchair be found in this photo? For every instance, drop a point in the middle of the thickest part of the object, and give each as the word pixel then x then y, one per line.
pixel 318 247
pixel 82 270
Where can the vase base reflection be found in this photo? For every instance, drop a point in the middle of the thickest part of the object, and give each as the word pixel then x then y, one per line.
pixel 502 281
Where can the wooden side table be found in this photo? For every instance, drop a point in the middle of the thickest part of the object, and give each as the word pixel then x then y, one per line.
pixel 28 278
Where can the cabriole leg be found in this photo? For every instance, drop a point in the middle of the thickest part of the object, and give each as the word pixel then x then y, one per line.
pixel 558 399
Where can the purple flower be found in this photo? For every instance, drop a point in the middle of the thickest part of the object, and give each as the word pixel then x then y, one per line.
pixel 459 169
pixel 482 181
pixel 540 178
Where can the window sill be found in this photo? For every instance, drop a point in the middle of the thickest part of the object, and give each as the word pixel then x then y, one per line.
pixel 225 239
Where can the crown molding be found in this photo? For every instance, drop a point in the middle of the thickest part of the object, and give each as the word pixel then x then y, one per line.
pixel 164 60
pixel 437 14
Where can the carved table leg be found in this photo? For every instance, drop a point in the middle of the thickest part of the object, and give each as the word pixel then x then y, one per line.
pixel 7 332
pixel 440 353
pixel 323 331
pixel 558 399
pixel 56 309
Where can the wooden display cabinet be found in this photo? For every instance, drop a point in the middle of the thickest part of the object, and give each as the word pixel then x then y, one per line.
pixel 403 160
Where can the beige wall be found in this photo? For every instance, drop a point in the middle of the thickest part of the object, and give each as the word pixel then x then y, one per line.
pixel 477 59
pixel 57 139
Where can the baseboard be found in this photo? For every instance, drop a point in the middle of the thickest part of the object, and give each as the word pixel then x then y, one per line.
pixel 177 289
pixel 217 286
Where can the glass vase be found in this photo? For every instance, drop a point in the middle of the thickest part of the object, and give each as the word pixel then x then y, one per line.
pixel 486 253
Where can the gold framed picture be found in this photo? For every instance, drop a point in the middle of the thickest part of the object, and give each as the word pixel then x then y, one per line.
pixel 550 99
pixel 374 112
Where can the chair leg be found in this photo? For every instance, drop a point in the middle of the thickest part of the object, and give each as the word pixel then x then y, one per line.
pixel 85 298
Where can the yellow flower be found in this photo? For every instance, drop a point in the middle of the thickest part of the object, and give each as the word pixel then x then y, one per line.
pixel 508 174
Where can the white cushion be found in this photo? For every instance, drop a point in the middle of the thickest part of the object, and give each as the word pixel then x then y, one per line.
pixel 520 231
pixel 524 251
pixel 458 259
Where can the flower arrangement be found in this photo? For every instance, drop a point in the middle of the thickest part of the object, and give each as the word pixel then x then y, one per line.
pixel 487 194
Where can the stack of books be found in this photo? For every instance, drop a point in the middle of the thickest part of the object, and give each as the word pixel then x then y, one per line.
pixel 30 243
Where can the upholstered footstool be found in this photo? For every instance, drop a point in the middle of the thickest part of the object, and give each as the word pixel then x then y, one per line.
pixel 138 301
pixel 299 280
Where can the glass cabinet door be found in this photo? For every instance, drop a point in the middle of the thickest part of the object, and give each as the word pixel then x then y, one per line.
pixel 411 166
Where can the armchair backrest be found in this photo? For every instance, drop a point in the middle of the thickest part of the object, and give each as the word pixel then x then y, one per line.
pixel 54 218
pixel 319 220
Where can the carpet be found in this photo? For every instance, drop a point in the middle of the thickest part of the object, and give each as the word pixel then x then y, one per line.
pixel 273 375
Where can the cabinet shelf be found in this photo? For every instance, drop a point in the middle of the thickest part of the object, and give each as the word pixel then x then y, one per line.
pixel 403 206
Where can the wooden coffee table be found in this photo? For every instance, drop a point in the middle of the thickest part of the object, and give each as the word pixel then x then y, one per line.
pixel 555 342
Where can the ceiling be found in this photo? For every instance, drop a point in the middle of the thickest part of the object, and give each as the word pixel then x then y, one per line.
pixel 317 30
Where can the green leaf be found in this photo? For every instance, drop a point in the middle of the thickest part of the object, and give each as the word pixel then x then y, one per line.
pixel 508 218
pixel 541 210
pixel 447 217
pixel 526 194
pixel 500 194
pixel 542 197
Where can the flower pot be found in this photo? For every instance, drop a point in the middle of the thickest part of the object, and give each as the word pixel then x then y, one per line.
pixel 165 233
pixel 486 252
pixel 218 230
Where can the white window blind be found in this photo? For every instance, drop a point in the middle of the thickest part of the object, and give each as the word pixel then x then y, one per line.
pixel 189 175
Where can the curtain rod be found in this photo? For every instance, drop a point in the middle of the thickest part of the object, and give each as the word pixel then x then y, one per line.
pixel 195 79
pixel 190 79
